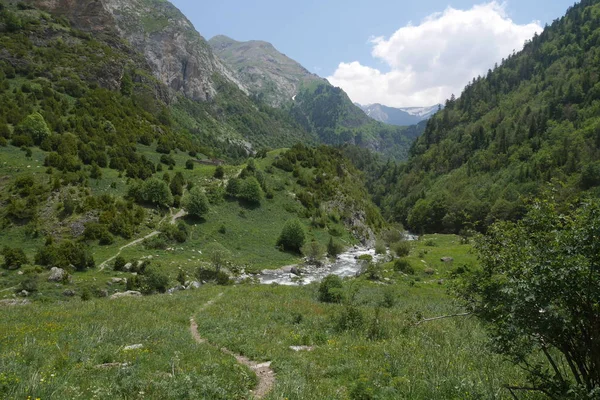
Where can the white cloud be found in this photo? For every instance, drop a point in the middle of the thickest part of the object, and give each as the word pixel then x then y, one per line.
pixel 430 61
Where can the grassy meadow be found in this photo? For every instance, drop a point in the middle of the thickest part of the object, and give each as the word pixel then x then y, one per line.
pixel 370 346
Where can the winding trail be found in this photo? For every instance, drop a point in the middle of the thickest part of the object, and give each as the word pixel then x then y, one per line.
pixel 263 371
pixel 174 217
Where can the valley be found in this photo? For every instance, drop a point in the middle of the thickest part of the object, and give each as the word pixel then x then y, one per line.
pixel 183 218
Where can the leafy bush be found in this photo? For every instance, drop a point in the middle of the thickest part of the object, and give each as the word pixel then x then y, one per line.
pixel 219 172
pixel 119 264
pixel 209 275
pixel 350 318
pixel 402 249
pixel 154 279
pixel 402 265
pixel 251 191
pixel 218 255
pixel 196 202
pixel 65 255
pixel 313 251
pixel 14 258
pixel 292 236
pixel 380 247
pixel 330 289
pixel 334 248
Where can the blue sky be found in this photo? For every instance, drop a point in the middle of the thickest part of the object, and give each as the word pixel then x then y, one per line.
pixel 323 34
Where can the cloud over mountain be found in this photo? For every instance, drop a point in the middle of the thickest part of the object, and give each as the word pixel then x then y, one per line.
pixel 430 61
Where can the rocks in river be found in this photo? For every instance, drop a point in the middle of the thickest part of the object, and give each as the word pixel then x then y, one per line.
pixel 296 271
pixel 129 293
pixel 57 275
pixel 447 259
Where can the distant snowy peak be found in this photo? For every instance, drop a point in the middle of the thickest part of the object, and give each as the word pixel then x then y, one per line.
pixel 399 116
pixel 424 112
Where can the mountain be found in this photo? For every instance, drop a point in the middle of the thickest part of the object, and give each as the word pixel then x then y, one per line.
pixel 266 72
pixel 177 54
pixel 422 112
pixel 399 116
pixel 529 125
pixel 321 109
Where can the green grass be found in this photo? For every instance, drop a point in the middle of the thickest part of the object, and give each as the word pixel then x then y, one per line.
pixel 52 351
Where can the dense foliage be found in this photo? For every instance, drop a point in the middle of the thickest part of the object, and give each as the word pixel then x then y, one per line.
pixel 530 120
pixel 330 114
pixel 538 290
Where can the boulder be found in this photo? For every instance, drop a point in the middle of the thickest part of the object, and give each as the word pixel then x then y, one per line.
pixel 69 293
pixel 447 259
pixel 57 275
pixel 23 293
pixel 118 280
pixel 175 289
pixel 296 271
pixel 194 285
pixel 127 266
pixel 133 347
pixel 129 293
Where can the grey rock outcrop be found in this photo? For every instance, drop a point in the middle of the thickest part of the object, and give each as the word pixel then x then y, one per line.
pixel 129 293
pixel 177 54
pixel 57 275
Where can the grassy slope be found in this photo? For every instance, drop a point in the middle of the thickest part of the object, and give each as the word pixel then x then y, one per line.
pixel 446 359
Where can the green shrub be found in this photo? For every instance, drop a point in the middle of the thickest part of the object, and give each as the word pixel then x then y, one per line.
pixel 156 243
pixel 219 172
pixel 330 289
pixel 250 191
pixel 313 251
pixel 189 164
pixel 119 264
pixel 374 272
pixel 350 318
pixel 430 243
pixel 402 249
pixel 29 283
pixel 196 203
pixel 334 248
pixel 14 258
pixel 155 279
pixel 65 255
pixel 209 275
pixel 389 298
pixel 380 247
pixel 402 265
pixel 292 236
pixel 86 294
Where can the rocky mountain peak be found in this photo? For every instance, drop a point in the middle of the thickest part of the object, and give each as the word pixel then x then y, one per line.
pixel 177 54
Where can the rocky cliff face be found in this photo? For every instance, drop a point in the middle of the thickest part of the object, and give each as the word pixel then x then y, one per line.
pixel 265 71
pixel 177 54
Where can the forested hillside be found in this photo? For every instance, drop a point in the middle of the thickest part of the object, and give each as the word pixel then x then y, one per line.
pixel 329 113
pixel 533 119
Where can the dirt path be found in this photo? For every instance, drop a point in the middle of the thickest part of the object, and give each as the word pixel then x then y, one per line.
pixel 263 371
pixel 174 217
